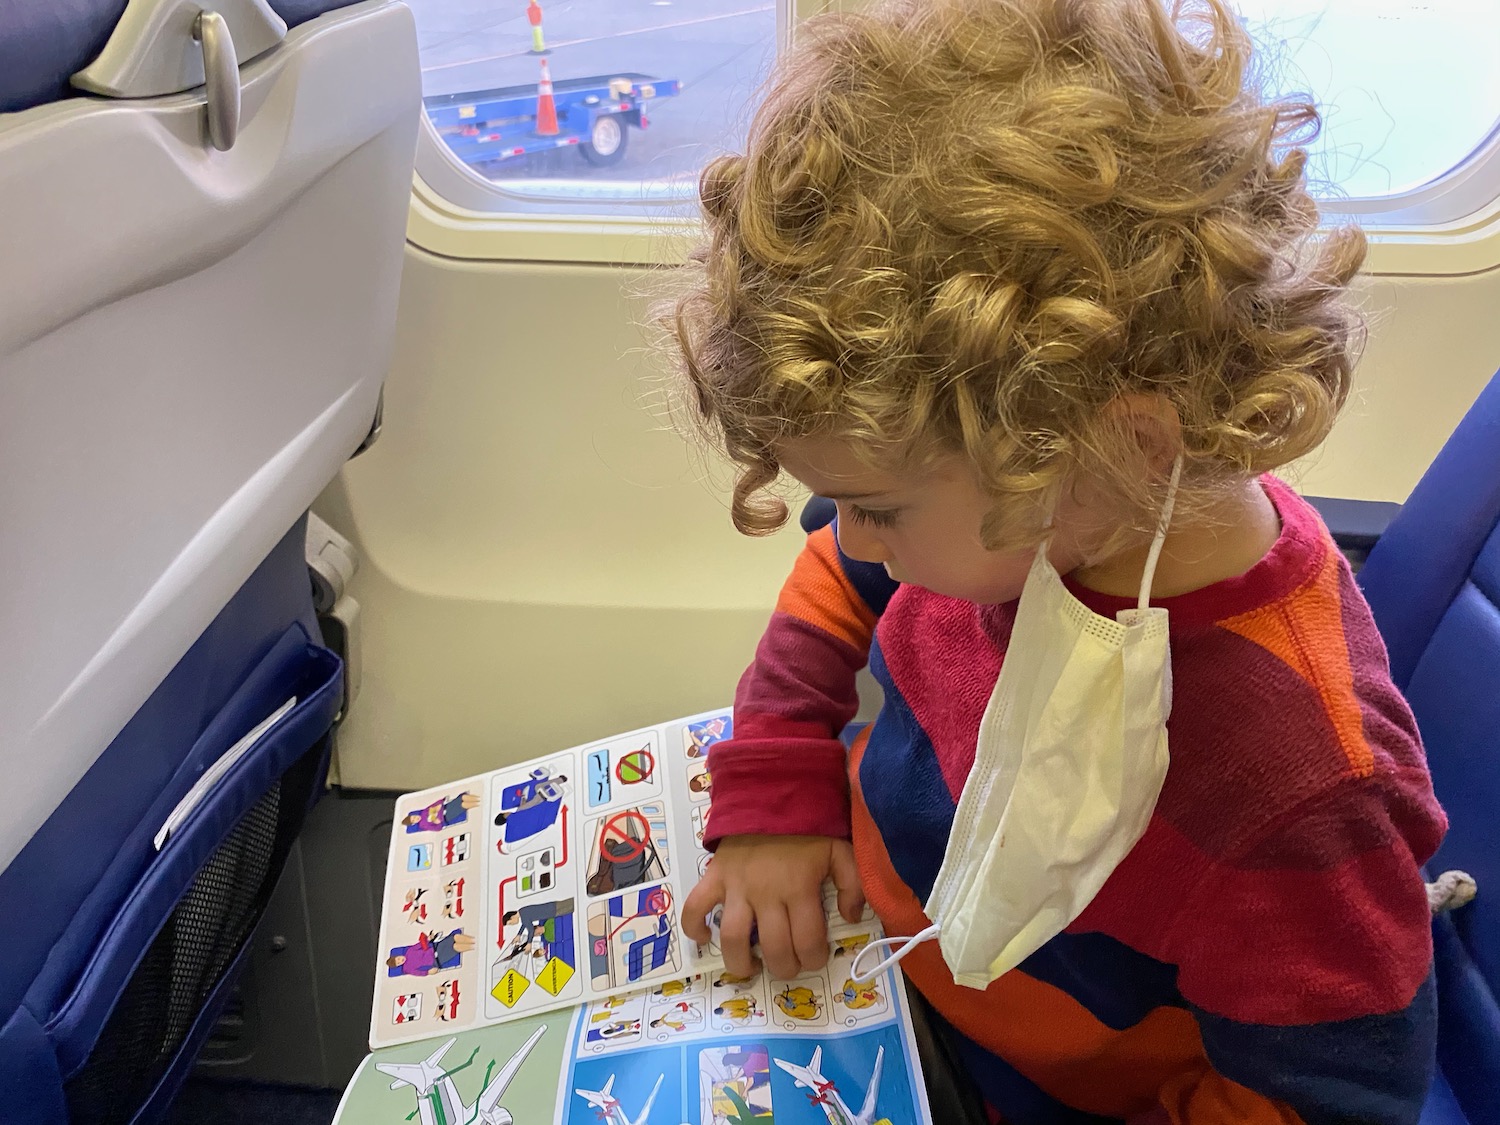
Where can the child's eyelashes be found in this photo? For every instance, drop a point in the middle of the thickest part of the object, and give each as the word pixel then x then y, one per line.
pixel 875 517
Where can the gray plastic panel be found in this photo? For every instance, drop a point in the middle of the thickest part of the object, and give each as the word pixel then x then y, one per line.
pixel 301 1015
pixel 191 343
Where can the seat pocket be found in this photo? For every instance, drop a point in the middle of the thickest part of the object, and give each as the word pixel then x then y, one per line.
pixel 138 1011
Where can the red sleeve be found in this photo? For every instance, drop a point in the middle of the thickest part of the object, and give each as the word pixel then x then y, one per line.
pixel 783 772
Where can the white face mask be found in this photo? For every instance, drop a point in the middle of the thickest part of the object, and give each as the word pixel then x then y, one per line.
pixel 1071 757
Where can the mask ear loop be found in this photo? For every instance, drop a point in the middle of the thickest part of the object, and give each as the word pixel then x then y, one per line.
pixel 1051 514
pixel 1044 547
pixel 895 958
pixel 1161 536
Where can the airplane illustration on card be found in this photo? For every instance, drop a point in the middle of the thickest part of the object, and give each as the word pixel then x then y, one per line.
pixel 610 1110
pixel 825 1095
pixel 438 1099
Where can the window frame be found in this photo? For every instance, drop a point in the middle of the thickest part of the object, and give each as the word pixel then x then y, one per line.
pixel 449 179
pixel 1462 192
pixel 438 226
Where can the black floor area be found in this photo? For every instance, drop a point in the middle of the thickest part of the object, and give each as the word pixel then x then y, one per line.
pixel 206 1102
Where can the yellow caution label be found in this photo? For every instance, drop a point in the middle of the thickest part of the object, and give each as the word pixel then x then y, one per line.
pixel 555 974
pixel 466 111
pixel 510 988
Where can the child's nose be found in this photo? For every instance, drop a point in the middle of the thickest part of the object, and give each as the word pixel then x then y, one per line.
pixel 859 542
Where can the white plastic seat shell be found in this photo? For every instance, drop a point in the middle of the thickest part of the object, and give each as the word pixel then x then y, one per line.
pixel 191 343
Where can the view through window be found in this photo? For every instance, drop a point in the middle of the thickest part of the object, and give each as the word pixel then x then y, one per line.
pixel 593 101
pixel 644 92
pixel 1408 88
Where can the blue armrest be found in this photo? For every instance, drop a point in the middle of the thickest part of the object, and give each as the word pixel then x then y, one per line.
pixel 1357 525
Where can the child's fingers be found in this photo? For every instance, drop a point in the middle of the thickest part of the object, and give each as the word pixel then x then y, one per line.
pixel 734 937
pixel 809 931
pixel 776 948
pixel 699 903
pixel 845 872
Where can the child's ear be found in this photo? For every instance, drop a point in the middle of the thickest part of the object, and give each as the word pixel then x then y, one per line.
pixel 1151 424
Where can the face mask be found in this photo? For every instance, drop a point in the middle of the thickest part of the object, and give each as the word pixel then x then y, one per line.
pixel 1071 757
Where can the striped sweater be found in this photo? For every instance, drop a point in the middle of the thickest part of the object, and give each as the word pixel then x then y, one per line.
pixel 1262 954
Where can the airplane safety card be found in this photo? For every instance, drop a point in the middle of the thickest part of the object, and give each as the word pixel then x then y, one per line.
pixel 710 1049
pixel 550 884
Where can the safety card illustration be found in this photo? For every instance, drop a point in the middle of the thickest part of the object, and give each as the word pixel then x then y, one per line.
pixel 710 1049
pixel 554 884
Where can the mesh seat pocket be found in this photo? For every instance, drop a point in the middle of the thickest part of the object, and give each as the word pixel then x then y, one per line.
pixel 191 952
pixel 163 961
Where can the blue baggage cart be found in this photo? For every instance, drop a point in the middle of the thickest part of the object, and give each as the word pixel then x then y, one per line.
pixel 595 114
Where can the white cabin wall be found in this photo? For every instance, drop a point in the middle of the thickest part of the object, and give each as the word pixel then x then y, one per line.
pixel 1434 343
pixel 541 563
pixel 544 562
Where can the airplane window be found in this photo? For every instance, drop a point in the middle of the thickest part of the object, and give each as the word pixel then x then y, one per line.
pixel 1409 88
pixel 602 106
pixel 584 105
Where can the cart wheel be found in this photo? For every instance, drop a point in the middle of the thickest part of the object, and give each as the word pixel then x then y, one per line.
pixel 607 141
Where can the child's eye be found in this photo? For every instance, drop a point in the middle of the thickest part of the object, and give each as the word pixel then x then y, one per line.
pixel 874 517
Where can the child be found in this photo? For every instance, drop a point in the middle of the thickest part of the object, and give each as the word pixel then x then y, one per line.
pixel 1011 281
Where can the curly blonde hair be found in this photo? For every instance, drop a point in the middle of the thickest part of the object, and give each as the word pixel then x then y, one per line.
pixel 966 226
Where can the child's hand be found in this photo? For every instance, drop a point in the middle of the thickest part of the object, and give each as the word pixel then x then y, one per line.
pixel 775 884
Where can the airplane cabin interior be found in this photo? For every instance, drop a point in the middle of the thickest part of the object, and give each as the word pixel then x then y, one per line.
pixel 337 462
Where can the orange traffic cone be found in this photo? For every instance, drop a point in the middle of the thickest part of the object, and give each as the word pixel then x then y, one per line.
pixel 546 108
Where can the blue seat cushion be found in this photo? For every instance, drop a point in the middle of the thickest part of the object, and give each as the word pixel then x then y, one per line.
pixel 1442 1107
pixel 1454 692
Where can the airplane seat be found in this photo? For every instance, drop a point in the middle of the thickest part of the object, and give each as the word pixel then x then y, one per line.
pixel 1433 582
pixel 204 207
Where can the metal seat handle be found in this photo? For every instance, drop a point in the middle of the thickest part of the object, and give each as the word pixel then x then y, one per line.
pixel 147 55
pixel 221 79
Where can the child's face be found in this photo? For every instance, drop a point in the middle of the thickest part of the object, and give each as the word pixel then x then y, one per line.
pixel 924 527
